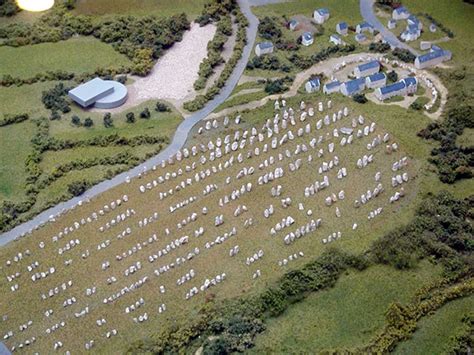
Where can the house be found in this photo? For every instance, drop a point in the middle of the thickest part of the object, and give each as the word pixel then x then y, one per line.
pixel 263 48
pixel 434 57
pixel 331 87
pixel 360 37
pixel 425 45
pixel 293 24
pixel 336 40
pixel 376 80
pixel 411 33
pixel 99 93
pixel 411 84
pixel 342 28
pixel 352 87
pixel 400 13
pixel 312 85
pixel 307 39
pixel 368 68
pixel 432 27
pixel 364 27
pixel 321 15
pixel 414 21
pixel 391 24
pixel 395 89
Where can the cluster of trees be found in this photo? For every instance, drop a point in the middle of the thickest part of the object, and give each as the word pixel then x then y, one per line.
pixel 404 55
pixel 59 75
pixel 56 100
pixel 269 29
pixel 278 86
pixel 12 119
pixel 241 40
pixel 438 24
pixel 162 107
pixel 303 62
pixel 76 121
pixel 454 162
pixel 360 98
pixel 8 8
pixel 268 62
pixel 379 47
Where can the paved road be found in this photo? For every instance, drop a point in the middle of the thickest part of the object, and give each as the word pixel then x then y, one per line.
pixel 177 143
pixel 367 12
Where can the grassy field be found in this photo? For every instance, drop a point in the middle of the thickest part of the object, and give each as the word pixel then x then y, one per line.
pixel 77 55
pixel 160 8
pixel 240 281
pixel 345 316
pixel 434 332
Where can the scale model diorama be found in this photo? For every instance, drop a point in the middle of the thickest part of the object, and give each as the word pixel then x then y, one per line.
pixel 236 176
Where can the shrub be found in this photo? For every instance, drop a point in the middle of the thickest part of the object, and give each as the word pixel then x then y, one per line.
pixel 88 122
pixel 130 117
pixel 77 188
pixel 404 55
pixel 359 98
pixel 392 76
pixel 416 106
pixel 162 107
pixel 75 120
pixel 145 113
pixel 11 119
pixel 108 122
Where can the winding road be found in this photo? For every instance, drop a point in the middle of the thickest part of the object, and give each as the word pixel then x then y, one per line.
pixel 181 134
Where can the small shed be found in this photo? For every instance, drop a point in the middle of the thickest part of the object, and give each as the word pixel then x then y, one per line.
pixel 293 24
pixel 360 37
pixel 312 85
pixel 321 15
pixel 425 45
pixel 331 87
pixel 391 24
pixel 307 39
pixel 433 27
pixel 336 40
pixel 263 48
pixel 342 28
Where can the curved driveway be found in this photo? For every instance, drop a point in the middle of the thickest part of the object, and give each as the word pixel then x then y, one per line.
pixel 179 138
pixel 367 12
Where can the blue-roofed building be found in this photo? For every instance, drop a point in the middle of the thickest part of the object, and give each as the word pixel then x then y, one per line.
pixel 336 40
pixel 331 87
pixel 414 21
pixel 395 89
pixel 293 24
pixel 263 48
pixel 432 58
pixel 321 15
pixel 368 68
pixel 412 33
pixel 307 39
pixel 400 13
pixel 312 85
pixel 353 87
pixel 342 28
pixel 391 24
pixel 411 84
pixel 360 37
pixel 364 27
pixel 435 47
pixel 376 80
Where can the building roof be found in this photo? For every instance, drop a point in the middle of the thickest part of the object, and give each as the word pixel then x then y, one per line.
pixel 365 24
pixel 342 25
pixel 410 80
pixel 294 22
pixel 323 11
pixel 376 77
pixel 332 84
pixel 432 55
pixel 369 65
pixel 315 83
pixel 265 45
pixel 360 37
pixel 401 9
pixel 89 92
pixel 335 37
pixel 413 19
pixel 307 36
pixel 413 29
pixel 399 85
pixel 354 85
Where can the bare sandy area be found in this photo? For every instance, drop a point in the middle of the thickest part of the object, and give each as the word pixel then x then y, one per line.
pixel 174 74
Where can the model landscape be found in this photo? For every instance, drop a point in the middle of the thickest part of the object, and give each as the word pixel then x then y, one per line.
pixel 258 176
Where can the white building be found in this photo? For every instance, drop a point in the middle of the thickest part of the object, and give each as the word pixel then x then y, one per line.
pixel 412 33
pixel 368 68
pixel 403 87
pixel 391 24
pixel 263 48
pixel 400 13
pixel 364 27
pixel 336 40
pixel 376 80
pixel 331 87
pixel 352 87
pixel 432 58
pixel 307 39
pixel 321 15
pixel 312 85
pixel 342 28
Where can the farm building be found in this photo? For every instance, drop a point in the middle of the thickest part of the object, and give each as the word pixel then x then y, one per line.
pixel 434 57
pixel 331 87
pixel 432 27
pixel 335 39
pixel 391 24
pixel 263 48
pixel 100 93
pixel 360 37
pixel 412 33
pixel 400 13
pixel 321 15
pixel 364 27
pixel 376 80
pixel 352 87
pixel 307 39
pixel 312 85
pixel 368 68
pixel 292 25
pixel 395 89
pixel 342 28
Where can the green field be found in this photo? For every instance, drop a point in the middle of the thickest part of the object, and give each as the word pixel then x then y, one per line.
pixel 160 8
pixel 76 55
pixel 345 316
pixel 434 332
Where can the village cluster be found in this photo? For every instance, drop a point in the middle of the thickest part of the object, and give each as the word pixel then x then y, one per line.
pixel 211 189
